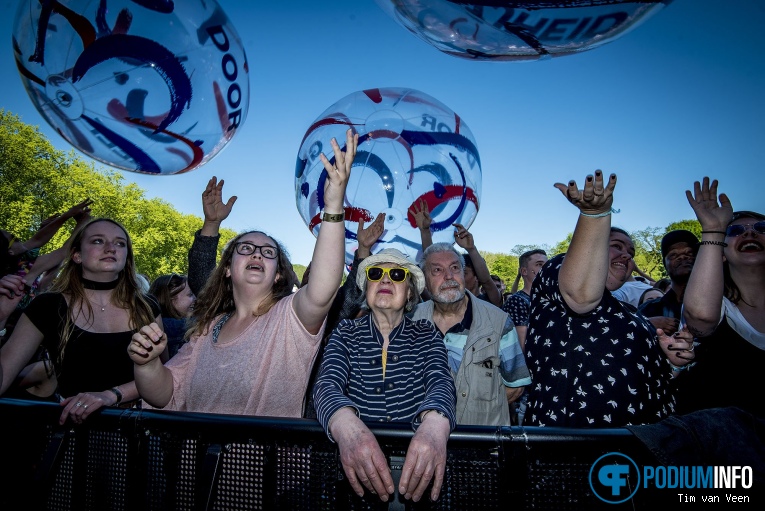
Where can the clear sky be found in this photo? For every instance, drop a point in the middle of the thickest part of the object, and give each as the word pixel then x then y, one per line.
pixel 678 98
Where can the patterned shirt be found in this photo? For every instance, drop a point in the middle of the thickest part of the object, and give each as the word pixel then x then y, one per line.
pixel 600 369
pixel 518 306
pixel 416 379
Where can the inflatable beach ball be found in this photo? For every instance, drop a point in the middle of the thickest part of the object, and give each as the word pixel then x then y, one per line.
pixel 151 86
pixel 507 30
pixel 411 148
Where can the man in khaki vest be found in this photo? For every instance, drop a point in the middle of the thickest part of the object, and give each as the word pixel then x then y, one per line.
pixel 485 357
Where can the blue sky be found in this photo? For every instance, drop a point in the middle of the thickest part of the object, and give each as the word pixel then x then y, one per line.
pixel 678 98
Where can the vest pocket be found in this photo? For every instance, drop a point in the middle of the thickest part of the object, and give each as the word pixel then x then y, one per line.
pixel 485 378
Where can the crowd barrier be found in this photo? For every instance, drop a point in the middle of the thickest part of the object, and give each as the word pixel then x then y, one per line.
pixel 130 459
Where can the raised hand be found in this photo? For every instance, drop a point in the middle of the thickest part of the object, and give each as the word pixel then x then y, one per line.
pixel 463 238
pixel 712 216
pixel 367 237
pixel 339 173
pixel 214 208
pixel 595 198
pixel 421 215
pixel 147 344
pixel 80 210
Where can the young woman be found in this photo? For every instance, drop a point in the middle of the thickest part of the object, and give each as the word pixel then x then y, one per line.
pixel 724 306
pixel 176 300
pixel 254 340
pixel 86 323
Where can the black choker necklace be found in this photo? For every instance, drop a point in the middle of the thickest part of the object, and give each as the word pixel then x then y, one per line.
pixel 99 286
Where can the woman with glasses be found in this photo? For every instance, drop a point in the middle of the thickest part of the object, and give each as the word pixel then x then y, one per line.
pixel 176 300
pixel 86 323
pixel 386 367
pixel 724 306
pixel 252 340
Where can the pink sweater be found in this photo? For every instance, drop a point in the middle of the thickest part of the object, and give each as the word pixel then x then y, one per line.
pixel 263 371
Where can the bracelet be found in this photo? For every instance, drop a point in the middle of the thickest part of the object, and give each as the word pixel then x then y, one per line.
pixel 709 242
pixel 601 215
pixel 713 232
pixel 117 393
pixel 333 217
pixel 681 368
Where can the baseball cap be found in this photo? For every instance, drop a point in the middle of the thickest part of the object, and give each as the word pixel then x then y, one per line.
pixel 678 236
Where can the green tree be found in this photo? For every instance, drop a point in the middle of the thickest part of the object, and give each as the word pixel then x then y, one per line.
pixel 36 181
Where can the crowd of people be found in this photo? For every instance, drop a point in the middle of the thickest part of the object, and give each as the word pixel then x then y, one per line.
pixel 577 341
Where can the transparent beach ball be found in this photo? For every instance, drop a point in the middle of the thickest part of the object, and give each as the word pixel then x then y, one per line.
pixel 505 30
pixel 412 147
pixel 150 86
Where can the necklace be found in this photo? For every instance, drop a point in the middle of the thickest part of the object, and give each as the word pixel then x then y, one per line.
pixel 98 304
pixel 98 286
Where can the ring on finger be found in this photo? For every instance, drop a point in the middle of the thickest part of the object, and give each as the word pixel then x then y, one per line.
pixel 79 403
pixel 85 407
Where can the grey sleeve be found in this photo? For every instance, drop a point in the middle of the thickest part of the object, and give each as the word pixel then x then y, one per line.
pixel 202 255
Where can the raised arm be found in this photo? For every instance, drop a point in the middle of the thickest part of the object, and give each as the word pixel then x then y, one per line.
pixel 215 210
pixel 52 260
pixel 312 303
pixel 49 227
pixel 702 301
pixel 464 239
pixel 367 237
pixel 421 215
pixel 585 267
pixel 204 249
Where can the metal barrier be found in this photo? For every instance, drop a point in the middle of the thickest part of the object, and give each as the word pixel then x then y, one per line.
pixel 126 459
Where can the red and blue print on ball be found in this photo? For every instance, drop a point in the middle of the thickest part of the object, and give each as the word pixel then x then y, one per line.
pixel 519 30
pixel 411 147
pixel 150 86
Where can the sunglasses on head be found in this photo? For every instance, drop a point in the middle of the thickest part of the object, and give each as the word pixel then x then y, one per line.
pixel 375 274
pixel 739 229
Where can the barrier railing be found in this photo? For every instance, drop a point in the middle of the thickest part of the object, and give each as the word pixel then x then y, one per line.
pixel 125 459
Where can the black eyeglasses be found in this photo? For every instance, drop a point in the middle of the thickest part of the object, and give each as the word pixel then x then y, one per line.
pixel 375 274
pixel 739 229
pixel 246 248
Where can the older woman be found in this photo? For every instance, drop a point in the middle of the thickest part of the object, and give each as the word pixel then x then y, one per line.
pixel 254 340
pixel 595 361
pixel 86 322
pixel 724 306
pixel 387 367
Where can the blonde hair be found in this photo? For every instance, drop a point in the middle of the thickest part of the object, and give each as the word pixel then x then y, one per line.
pixel 126 295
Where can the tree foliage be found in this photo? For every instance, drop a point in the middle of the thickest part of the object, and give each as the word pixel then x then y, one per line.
pixel 36 181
